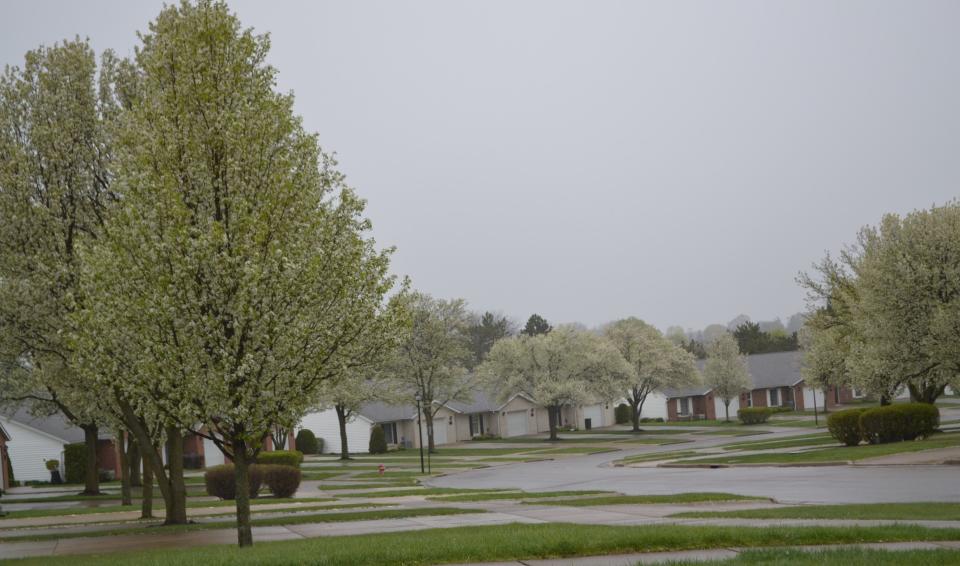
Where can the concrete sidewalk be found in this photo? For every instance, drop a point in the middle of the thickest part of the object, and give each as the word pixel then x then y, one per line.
pixel 713 555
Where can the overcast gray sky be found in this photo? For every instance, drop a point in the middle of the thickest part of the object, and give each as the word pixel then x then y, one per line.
pixel 677 161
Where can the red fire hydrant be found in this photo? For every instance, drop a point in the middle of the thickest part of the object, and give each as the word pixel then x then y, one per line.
pixel 381 469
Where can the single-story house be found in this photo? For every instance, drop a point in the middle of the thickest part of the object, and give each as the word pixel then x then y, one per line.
pixel 325 425
pixel 775 381
pixel 34 440
pixel 4 472
pixel 201 452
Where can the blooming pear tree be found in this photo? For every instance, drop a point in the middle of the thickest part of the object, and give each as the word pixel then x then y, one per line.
pixel 431 360
pixel 55 195
pixel 238 274
pixel 655 362
pixel 725 370
pixel 568 366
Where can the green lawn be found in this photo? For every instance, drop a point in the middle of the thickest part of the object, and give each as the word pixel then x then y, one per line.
pixel 287 519
pixel 656 456
pixel 501 543
pixel 419 491
pixel 649 499
pixel 842 557
pixel 157 505
pixel 839 454
pixel 514 495
pixel 792 442
pixel 931 511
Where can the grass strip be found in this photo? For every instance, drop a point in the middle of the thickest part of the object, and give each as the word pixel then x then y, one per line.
pixel 841 557
pixel 290 519
pixel 693 497
pixel 840 454
pixel 930 511
pixel 657 456
pixel 419 491
pixel 157 504
pixel 805 440
pixel 502 543
pixel 514 495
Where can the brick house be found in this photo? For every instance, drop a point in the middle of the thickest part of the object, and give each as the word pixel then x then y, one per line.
pixel 775 381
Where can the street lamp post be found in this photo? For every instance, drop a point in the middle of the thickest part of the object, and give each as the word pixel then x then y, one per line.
pixel 419 398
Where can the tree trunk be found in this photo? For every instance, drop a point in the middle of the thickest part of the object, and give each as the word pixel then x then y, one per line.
pixel 342 421
pixel 431 447
pixel 146 509
pixel 133 461
pixel 279 438
pixel 174 498
pixel 121 444
pixel 726 408
pixel 553 416
pixel 635 417
pixel 925 393
pixel 241 466
pixel 92 475
pixel 176 507
pixel 884 401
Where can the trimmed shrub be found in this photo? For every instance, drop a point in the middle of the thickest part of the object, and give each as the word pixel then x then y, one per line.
pixel 221 481
pixel 290 458
pixel 621 415
pixel 378 440
pixel 307 442
pixel 894 423
pixel 651 420
pixel 52 465
pixel 282 481
pixel 754 415
pixel 75 461
pixel 845 426
pixel 922 420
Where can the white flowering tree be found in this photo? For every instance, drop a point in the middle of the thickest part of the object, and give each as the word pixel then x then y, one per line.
pixel 568 366
pixel 725 370
pixel 431 360
pixel 237 275
pixel 655 361
pixel 55 194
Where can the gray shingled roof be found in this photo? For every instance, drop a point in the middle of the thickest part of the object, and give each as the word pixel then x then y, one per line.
pixel 776 369
pixel 481 403
pixel 384 413
pixel 55 425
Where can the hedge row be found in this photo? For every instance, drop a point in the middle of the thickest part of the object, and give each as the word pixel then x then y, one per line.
pixel 754 415
pixel 880 425
pixel 282 481
pixel 290 458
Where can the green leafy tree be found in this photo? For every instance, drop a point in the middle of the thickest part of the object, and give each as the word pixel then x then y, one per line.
pixel 483 332
pixel 655 362
pixel 725 370
pixel 237 275
pixel 568 366
pixel 536 325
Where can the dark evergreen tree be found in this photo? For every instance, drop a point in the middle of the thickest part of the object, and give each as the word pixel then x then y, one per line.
pixel 536 325
pixel 484 332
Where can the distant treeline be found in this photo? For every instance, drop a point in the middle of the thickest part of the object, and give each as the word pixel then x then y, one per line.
pixel 751 340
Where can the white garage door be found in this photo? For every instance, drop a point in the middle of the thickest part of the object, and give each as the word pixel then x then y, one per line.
pixel 594 414
pixel 212 456
pixel 516 423
pixel 439 432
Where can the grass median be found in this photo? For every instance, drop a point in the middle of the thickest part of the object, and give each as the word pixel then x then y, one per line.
pixel 502 543
pixel 930 511
pixel 840 557
pixel 693 497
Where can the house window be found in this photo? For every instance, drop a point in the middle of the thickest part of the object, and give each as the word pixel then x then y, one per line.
pixel 450 420
pixel 774 397
pixel 749 397
pixel 684 405
pixel 390 432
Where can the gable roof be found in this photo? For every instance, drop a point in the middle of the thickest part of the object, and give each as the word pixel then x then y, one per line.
pixel 4 433
pixel 56 425
pixel 691 392
pixel 776 369
pixel 384 413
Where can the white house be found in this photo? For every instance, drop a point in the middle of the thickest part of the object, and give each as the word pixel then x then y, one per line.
pixel 324 424
pixel 34 440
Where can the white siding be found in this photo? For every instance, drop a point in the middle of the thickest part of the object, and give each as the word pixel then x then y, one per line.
pixel 212 456
pixel 324 425
pixel 29 449
pixel 595 414
pixel 655 406
pixel 721 411
pixel 810 398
